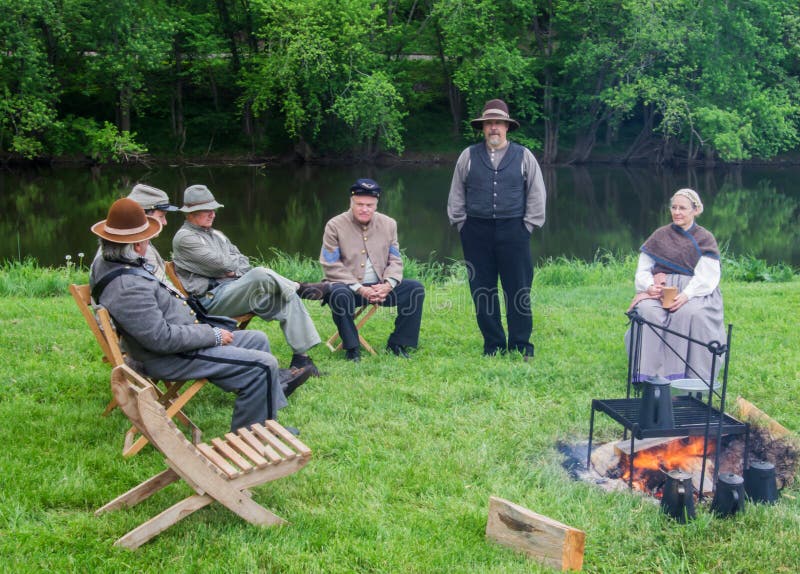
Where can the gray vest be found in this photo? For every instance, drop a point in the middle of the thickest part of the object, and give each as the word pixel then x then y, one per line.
pixel 495 193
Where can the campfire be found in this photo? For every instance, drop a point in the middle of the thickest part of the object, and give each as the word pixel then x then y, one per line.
pixel 655 457
pixel 653 461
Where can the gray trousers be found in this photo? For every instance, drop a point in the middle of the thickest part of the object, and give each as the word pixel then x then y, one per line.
pixel 245 367
pixel 271 297
pixel 700 318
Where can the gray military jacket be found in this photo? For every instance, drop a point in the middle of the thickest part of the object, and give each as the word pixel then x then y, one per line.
pixel 152 320
pixel 203 258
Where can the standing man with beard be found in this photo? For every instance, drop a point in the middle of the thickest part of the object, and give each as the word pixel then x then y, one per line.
pixel 497 197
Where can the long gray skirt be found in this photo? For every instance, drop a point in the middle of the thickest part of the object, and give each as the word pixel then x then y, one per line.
pixel 701 318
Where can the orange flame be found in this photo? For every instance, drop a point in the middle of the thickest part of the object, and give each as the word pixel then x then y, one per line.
pixel 684 454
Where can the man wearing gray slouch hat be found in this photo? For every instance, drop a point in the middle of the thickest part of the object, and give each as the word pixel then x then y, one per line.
pixel 213 269
pixel 155 204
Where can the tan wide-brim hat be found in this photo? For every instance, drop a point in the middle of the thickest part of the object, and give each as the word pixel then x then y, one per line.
pixel 199 198
pixel 495 110
pixel 127 223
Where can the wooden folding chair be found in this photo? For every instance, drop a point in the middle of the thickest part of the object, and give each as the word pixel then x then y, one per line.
pixel 221 471
pixel 241 320
pixel 370 311
pixel 99 321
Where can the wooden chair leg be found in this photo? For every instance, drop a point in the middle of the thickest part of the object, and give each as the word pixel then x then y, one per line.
pixel 330 343
pixel 112 404
pixel 140 492
pixel 158 524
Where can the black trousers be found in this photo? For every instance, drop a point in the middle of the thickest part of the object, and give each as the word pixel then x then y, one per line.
pixel 408 296
pixel 500 248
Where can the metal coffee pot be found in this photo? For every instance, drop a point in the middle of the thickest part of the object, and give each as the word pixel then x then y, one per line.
pixel 677 499
pixel 728 495
pixel 760 482
pixel 656 406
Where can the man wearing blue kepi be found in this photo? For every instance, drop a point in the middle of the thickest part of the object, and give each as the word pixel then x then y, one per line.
pixel 497 197
pixel 361 259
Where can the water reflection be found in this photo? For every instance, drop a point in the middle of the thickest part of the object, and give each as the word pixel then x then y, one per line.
pixel 47 214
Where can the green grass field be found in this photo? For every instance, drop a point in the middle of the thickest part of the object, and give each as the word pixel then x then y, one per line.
pixel 406 453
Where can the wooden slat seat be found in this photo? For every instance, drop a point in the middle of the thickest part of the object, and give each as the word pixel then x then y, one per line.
pixel 222 470
pixel 241 320
pixel 99 321
pixel 370 311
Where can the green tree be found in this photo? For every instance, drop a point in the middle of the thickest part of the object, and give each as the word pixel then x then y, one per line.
pixel 313 50
pixel 371 106
pixel 30 94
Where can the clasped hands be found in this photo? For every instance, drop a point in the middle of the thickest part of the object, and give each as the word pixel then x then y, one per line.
pixel 375 293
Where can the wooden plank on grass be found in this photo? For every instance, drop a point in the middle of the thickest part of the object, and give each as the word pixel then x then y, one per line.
pixel 540 537
pixel 751 413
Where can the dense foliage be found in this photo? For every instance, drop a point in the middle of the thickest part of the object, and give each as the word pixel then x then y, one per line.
pixel 671 80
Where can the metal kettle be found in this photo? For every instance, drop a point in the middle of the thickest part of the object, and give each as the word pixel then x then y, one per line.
pixel 760 482
pixel 656 405
pixel 728 495
pixel 677 498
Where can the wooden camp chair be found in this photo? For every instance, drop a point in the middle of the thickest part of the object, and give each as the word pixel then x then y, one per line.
pixel 370 311
pixel 241 320
pixel 221 471
pixel 102 327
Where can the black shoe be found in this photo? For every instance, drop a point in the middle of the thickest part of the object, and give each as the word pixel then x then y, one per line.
pixel 313 291
pixel 299 361
pixel 291 379
pixel 398 350
pixel 293 430
pixel 527 356
pixel 353 355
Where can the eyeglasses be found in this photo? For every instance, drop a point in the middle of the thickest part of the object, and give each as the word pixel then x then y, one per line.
pixel 680 208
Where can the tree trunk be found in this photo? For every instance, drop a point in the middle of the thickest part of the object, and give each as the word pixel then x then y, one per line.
pixel 229 29
pixel 124 124
pixel 178 125
pixel 642 146
pixel 550 151
pixel 543 33
pixel 454 96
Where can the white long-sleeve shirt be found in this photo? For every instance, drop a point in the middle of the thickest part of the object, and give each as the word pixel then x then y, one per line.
pixel 706 277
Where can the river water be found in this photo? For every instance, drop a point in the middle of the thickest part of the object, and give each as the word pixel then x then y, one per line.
pixel 46 214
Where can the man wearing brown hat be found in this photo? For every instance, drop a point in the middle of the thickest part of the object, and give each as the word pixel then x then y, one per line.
pixel 164 334
pixel 156 204
pixel 497 197
pixel 361 258
pixel 213 269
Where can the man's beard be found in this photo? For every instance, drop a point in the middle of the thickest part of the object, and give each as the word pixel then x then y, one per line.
pixel 495 140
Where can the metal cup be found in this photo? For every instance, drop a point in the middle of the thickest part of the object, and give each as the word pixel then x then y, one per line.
pixel 728 495
pixel 677 499
pixel 760 482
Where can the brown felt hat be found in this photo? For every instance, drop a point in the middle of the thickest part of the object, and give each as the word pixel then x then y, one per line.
pixel 127 223
pixel 495 110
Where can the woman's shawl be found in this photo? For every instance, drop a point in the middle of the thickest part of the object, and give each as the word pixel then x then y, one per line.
pixel 676 250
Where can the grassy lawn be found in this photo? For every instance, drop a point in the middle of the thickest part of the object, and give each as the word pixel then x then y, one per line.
pixel 406 453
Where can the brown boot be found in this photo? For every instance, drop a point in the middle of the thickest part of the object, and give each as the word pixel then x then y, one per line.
pixel 291 379
pixel 313 291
